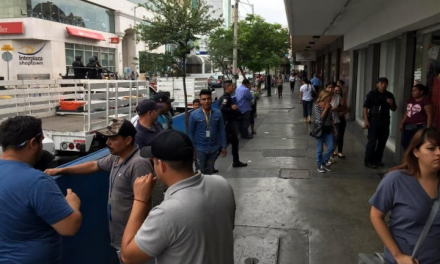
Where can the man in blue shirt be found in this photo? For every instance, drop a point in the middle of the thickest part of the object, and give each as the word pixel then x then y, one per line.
pixel 244 103
pixel 164 118
pixel 34 214
pixel 147 126
pixel 206 131
pixel 316 82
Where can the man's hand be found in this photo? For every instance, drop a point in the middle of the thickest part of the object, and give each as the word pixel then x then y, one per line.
pixel 143 187
pixel 404 259
pixel 234 107
pixel 73 200
pixel 366 124
pixel 53 172
pixel 390 101
pixel 300 102
pixel 223 153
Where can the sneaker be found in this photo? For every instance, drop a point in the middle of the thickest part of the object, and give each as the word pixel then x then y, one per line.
pixel 320 169
pixel 326 167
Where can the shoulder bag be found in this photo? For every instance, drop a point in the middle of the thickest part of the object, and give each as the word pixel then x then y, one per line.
pixel 377 258
pixel 318 126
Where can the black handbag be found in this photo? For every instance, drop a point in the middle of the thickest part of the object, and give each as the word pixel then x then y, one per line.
pixel 318 126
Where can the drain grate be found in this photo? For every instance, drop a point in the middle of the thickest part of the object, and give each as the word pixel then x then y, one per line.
pixel 274 153
pixel 294 174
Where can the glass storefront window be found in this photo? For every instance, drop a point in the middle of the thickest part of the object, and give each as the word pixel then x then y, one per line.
pixel 72 12
pixel 333 67
pixel 361 81
pixel 106 56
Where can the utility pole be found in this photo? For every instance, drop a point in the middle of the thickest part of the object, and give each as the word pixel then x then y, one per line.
pixel 235 54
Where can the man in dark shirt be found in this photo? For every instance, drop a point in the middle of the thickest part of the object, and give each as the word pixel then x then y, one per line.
pixel 377 108
pixel 147 126
pixel 230 113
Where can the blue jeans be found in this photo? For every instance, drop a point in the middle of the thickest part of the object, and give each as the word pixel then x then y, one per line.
pixel 205 161
pixel 326 138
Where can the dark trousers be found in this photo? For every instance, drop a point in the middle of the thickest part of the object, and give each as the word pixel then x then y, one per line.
pixel 341 132
pixel 245 122
pixel 378 134
pixel 408 133
pixel 253 113
pixel 232 139
pixel 292 86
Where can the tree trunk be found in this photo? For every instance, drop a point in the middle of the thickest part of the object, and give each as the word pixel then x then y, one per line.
pixel 242 73
pixel 185 94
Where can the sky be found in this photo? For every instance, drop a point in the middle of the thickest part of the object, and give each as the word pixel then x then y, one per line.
pixel 273 11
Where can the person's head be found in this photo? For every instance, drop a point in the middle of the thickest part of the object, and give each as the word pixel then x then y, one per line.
pixel 246 83
pixel 305 80
pixel 92 59
pixel 418 91
pixel 96 58
pixel 330 87
pixel 22 137
pixel 206 99
pixel 196 104
pixel 120 134
pixel 382 84
pixel 229 87
pixel 148 110
pixel 341 83
pixel 423 152
pixel 338 90
pixel 172 153
pixel 295 74
pixel 164 100
pixel 78 58
pixel 324 97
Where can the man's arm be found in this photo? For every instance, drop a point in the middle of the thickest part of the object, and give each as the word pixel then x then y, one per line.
pixel 393 105
pixel 84 168
pixel 222 132
pixel 248 95
pixel 225 107
pixel 71 224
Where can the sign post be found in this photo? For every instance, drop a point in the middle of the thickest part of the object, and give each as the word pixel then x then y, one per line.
pixel 7 56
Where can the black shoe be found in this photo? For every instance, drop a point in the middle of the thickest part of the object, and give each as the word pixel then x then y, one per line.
pixel 370 165
pixel 380 164
pixel 248 137
pixel 214 171
pixel 239 164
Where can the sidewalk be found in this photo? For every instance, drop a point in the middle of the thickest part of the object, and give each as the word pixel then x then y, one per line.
pixel 287 212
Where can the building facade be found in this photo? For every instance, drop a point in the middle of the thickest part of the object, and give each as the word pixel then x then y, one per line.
pixel 46 36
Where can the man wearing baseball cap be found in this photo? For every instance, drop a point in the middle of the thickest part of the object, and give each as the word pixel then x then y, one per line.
pixel 377 106
pixel 164 119
pixel 195 222
pixel 147 126
pixel 124 165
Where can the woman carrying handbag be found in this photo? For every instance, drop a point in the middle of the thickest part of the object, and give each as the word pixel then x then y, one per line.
pixel 410 193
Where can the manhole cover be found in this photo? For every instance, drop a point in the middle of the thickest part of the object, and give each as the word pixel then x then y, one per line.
pixel 284 153
pixel 294 174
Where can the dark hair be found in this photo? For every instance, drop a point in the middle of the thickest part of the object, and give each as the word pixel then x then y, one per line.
pixel 196 101
pixel 306 80
pixel 342 93
pixel 410 162
pixel 422 88
pixel 341 82
pixel 227 81
pixel 16 130
pixel 205 92
pixel 180 165
pixel 329 83
pixel 245 81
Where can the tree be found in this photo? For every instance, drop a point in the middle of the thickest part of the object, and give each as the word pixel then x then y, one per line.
pixel 220 48
pixel 179 23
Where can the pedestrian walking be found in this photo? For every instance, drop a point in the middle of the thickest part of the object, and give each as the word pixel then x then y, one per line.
pixel 255 98
pixel 124 165
pixel 409 193
pixel 206 131
pixel 34 213
pixel 195 222
pixel 230 114
pixel 280 86
pixel 323 116
pixel 376 110
pixel 298 82
pixel 292 83
pixel 418 114
pixel 306 99
pixel 316 82
pixel 342 122
pixel 244 98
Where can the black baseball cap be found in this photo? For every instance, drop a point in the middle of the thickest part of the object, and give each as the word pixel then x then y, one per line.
pixel 382 79
pixel 118 127
pixel 162 98
pixel 170 145
pixel 147 105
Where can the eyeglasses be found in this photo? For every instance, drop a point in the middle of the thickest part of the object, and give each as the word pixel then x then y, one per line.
pixel 24 143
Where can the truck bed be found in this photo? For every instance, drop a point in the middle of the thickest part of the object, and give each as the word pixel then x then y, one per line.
pixel 66 123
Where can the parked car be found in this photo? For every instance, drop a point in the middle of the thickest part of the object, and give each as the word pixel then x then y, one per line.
pixel 215 81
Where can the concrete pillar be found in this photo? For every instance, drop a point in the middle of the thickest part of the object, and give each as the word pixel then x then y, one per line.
pixel 353 85
pixel 406 79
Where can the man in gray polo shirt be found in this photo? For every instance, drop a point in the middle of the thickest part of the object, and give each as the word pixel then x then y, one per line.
pixel 124 164
pixel 195 222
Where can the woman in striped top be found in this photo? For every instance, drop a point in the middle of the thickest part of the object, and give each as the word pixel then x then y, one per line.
pixel 323 111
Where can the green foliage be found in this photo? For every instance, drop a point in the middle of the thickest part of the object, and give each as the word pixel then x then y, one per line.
pixel 220 48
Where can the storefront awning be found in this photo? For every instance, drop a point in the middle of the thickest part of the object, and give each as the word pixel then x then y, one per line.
pixel 84 33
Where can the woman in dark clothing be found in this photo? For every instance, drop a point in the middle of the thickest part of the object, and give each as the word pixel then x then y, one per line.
pixel 342 122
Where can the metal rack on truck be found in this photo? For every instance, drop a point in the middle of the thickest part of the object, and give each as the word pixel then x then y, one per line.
pixel 72 110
